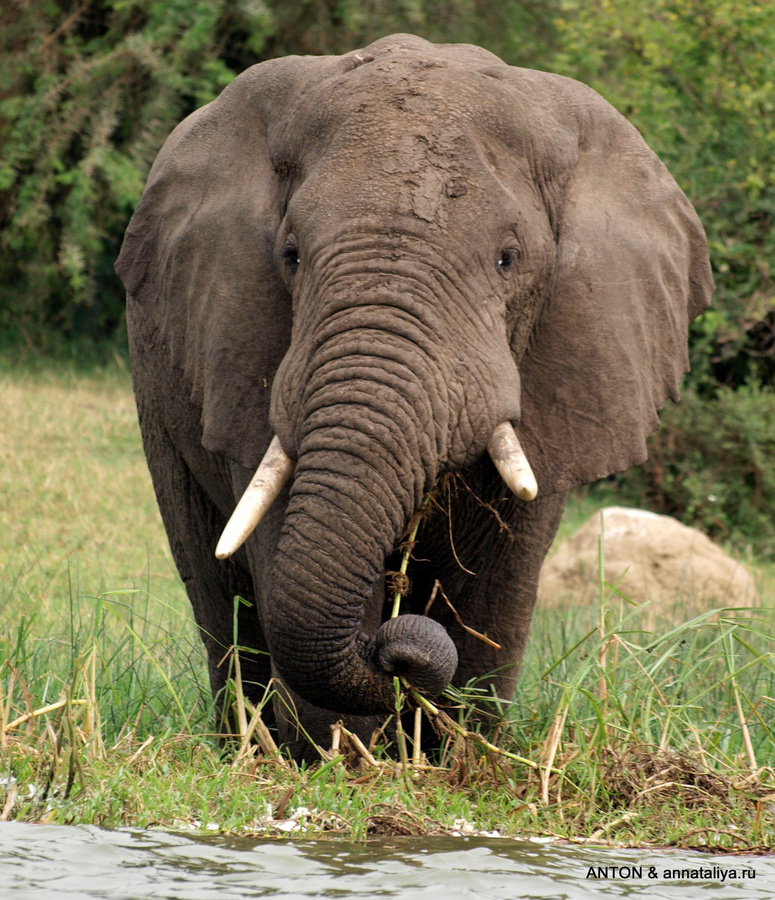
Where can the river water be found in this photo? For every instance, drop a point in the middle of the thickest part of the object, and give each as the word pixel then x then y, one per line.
pixel 47 861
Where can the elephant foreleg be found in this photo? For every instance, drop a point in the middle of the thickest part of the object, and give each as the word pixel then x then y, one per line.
pixel 193 524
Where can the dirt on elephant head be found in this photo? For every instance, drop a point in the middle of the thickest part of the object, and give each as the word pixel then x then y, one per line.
pixel 676 571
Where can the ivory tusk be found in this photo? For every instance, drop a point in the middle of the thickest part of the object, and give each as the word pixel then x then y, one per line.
pixel 510 460
pixel 272 473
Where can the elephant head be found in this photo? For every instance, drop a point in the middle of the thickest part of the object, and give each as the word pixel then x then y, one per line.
pixel 386 260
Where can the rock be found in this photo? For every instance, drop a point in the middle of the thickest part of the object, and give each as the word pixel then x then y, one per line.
pixel 678 571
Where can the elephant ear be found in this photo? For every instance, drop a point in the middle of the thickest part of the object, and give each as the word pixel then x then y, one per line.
pixel 631 272
pixel 198 258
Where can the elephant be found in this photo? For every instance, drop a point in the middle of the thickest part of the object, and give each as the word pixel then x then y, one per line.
pixel 352 278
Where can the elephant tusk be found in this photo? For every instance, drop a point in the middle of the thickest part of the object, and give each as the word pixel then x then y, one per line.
pixel 510 460
pixel 272 473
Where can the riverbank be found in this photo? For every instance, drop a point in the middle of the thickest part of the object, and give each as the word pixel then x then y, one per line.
pixel 616 735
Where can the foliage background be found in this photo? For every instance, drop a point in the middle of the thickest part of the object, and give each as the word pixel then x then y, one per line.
pixel 89 90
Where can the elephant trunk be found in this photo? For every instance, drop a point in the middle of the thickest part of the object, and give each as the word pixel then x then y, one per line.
pixel 366 456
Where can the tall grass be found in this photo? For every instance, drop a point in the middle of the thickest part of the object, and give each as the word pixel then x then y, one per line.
pixel 616 732
pixel 83 557
pixel 705 687
pixel 712 675
pixel 96 637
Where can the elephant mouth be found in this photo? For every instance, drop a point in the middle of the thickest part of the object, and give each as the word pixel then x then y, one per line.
pixel 276 468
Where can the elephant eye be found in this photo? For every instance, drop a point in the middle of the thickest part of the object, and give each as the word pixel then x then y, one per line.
pixel 508 259
pixel 290 252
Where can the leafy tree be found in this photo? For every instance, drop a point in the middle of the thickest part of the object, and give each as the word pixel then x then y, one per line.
pixel 522 33
pixel 87 95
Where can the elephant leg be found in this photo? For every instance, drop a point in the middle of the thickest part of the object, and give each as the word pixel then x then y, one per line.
pixel 193 524
pixel 299 722
pixel 499 598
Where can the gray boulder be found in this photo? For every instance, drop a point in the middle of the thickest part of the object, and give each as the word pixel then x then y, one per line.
pixel 676 570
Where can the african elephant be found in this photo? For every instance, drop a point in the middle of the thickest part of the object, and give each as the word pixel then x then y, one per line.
pixel 380 266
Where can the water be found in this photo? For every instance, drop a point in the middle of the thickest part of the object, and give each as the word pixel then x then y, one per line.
pixel 52 862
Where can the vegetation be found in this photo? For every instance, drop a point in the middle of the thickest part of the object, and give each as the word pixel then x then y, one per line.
pixel 88 94
pixel 711 466
pixel 697 77
pixel 616 734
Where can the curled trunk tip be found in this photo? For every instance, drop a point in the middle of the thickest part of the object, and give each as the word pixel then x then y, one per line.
pixel 418 648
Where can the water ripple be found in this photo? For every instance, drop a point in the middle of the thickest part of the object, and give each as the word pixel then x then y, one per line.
pixel 81 863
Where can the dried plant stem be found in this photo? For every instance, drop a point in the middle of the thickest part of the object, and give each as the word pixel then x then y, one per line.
pixel 92 726
pixel 360 747
pixel 239 697
pixel 451 539
pixel 146 743
pixel 491 509
pixel 257 727
pixel 417 737
pixel 744 729
pixel 336 738
pixel 9 802
pixel 43 711
pixel 438 589
pixel 552 743
pixel 400 735
pixel 452 725
pixel 627 817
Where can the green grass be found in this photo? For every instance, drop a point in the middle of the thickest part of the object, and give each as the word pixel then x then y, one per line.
pixel 628 736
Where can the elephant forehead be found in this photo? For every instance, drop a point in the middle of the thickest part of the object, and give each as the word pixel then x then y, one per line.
pixel 416 112
pixel 396 134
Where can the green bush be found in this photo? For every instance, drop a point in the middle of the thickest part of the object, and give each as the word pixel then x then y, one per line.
pixel 710 465
pixel 87 95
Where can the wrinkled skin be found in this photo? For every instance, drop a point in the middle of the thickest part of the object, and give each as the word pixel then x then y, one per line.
pixel 379 258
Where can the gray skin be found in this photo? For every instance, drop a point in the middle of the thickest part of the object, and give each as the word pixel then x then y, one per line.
pixel 380 257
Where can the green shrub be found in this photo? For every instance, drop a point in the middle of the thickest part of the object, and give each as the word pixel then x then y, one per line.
pixel 87 95
pixel 710 465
